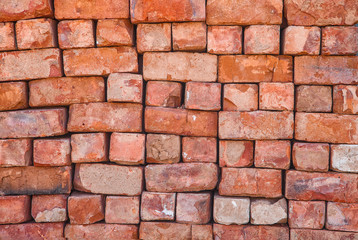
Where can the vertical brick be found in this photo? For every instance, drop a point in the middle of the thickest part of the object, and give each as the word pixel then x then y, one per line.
pixel 20 9
pixel 162 148
pixel 189 36
pixel 127 148
pixel 310 156
pixel 164 230
pixel 154 37
pixel 7 36
pixel 345 99
pixel 268 211
pixel 236 153
pixel 240 97
pixel 75 34
pixel 262 39
pixel 163 94
pixel 276 96
pixel 273 154
pixel 124 87
pixel 15 209
pixel 342 216
pixel 157 206
pixel 101 231
pixel 231 210
pixel 85 208
pixel 199 149
pixel 344 158
pixel 299 40
pixel 340 40
pixel 52 152
pixel 195 99
pixel 193 208
pixel 225 39
pixel 313 98
pixel 49 208
pixel 306 214
pixel 89 147
pixel 121 209
pixel 15 152
pixel 114 32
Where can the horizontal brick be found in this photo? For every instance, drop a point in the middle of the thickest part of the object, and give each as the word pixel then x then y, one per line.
pixel 114 32
pixel 127 148
pixel 33 123
pixel 89 147
pixel 299 40
pixel 35 180
pixel 225 39
pixel 105 117
pixel 313 98
pixel 310 156
pixel 181 177
pixel 50 231
pixel 162 148
pixel 256 125
pixel 13 95
pixel 84 208
pixel 342 216
pixel 157 206
pixel 326 70
pixel 199 149
pixel 273 154
pixel 52 152
pixel 7 35
pixel 250 182
pixel 99 61
pixel 120 209
pixel 32 64
pixel 15 209
pixel 340 40
pixel 164 230
pixel 15 152
pixel 173 11
pixel 231 210
pixel 268 211
pixel 189 36
pixel 180 66
pixel 344 158
pixel 257 68
pixel 124 87
pixel 262 39
pixel 236 153
pixel 75 34
pixel 276 96
pixel 195 99
pixel 11 10
pixel 193 208
pixel 307 214
pixel 108 179
pixel 154 37
pixel 309 234
pixel 326 127
pixel 101 231
pixel 240 97
pixel 199 232
pixel 163 94
pixel 306 186
pixel 345 99
pixel 49 208
pixel 180 121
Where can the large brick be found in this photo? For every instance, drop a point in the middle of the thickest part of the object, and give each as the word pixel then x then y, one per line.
pixel 35 180
pixel 342 216
pixel 101 231
pixel 99 61
pixel 114 32
pixel 258 68
pixel 172 11
pixel 306 186
pixel 306 214
pixel 32 64
pixel 49 208
pixel 7 36
pixel 326 70
pixel 344 158
pixel 13 95
pixel 33 123
pixel 164 230
pixel 14 209
pixel 250 182
pixel 181 177
pixel 108 179
pixel 33 231
pixel 247 12
pixel 180 66
pixel 75 34
pixel 309 234
pixel 326 127
pixel 15 152
pixel 345 99
pixel 13 10
pixel 256 125
pixel 180 122
pixel 105 117
pixel 340 40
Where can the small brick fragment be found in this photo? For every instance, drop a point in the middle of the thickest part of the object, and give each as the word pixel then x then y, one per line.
pixel 193 208
pixel 202 232
pixel 121 209
pixel 262 39
pixel 35 230
pixel 7 36
pixel 154 37
pixel 189 36
pixel 14 209
pixel 342 216
pixel 164 230
pixel 309 234
pixel 127 148
pixel 231 210
pixel 114 32
pixel 85 208
pixel 224 39
pixel 344 158
pixel 101 231
pixel 15 152
pixel 273 154
pixel 298 40
pixel 199 149
pixel 162 148
pixel 340 40
pixel 49 208
pixel 89 147
pixel 306 214
pixel 236 153
pixel 345 99
pixel 163 94
pixel 158 206
pixel 75 34
pixel 195 99
pixel 240 97
pixel 310 156
pixel 52 152
pixel 124 87
pixel 313 98
pixel 268 211
pixel 276 96
pixel 13 10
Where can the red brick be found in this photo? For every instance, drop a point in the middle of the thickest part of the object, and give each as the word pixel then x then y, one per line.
pixel 236 153
pixel 345 99
pixel 105 117
pixel 342 216
pixel 326 127
pixel 114 32
pixel 240 97
pixel 310 156
pixel 202 232
pixel 154 37
pixel 89 147
pixel 309 234
pixel 127 148
pixel 66 91
pixel 13 10
pixel 326 70
pixel 180 66
pixel 306 186
pixel 157 206
pixel 262 39
pixel 75 34
pixel 85 208
pixel 49 231
pixel 163 94
pixel 263 125
pixel 268 211
pixel 52 152
pixel 299 40
pixel 273 154
pixel 247 12
pixel 124 87
pixel 193 208
pixel 243 68
pixel 189 36
pixel 344 158
pixel 195 99
pixel 277 96
pixel 250 182
pixel 313 98
pixel 173 11
pixel 199 149
pixel 162 148
pixel 164 230
pixel 33 123
pixel 181 177
pixel 231 210
pixel 49 208
pixel 187 122
pixel 25 65
pixel 81 62
pixel 15 209
pixel 15 152
pixel 98 9
pixel 224 39
pixel 108 179
pixel 340 40
pixel 121 209
pixel 7 36
pixel 306 214
pixel 35 180
pixel 101 231
pixel 36 33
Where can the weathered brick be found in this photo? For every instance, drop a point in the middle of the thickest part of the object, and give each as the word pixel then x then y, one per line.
pixel 52 152
pixel 162 148
pixel 195 99
pixel 157 206
pixel 256 125
pixel 13 96
pixel 306 214
pixel 35 180
pixel 193 208
pixel 340 40
pixel 240 97
pixel 250 182
pixel 243 68
pixel 189 36
pixel 108 179
pixel 89 147
pixel 7 36
pixel 32 64
pixel 33 123
pixel 342 216
pixel 344 158
pixel 268 211
pixel 13 10
pixel 173 11
pixel 127 148
pixel 164 230
pixel 99 61
pixel 181 177
pixel 225 39
pixel 336 187
pixel 124 87
pixel 310 156
pixel 121 209
pixel 50 231
pixel 236 153
pixel 199 149
pixel 345 99
pixel 262 39
pixel 276 96
pixel 14 209
pixel 85 208
pixel 299 40
pixel 75 34
pixel 187 122
pixel 105 117
pixel 231 210
pixel 114 32
pixel 202 232
pixel 101 231
pixel 309 234
pixel 15 152
pixel 49 208
pixel 313 98
pixel 180 66
pixel 154 37
pixel 273 154
pixel 163 94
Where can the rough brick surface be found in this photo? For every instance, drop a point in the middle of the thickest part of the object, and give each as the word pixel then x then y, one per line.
pixel 345 99
pixel 7 36
pixel 313 98
pixel 121 209
pixel 342 216
pixel 231 210
pixel 163 94
pixel 164 230
pixel 85 208
pixel 158 206
pixel 75 34
pixel 52 152
pixel 50 231
pixel 127 148
pixel 24 9
pixel 340 40
pixel 189 36
pixel 310 156
pixel 225 39
pixel 236 153
pixel 306 214
pixel 262 39
pixel 240 97
pixel 100 231
pixel 193 208
pixel 15 152
pixel 154 37
pixel 15 209
pixel 89 147
pixel 199 149
pixel 49 208
pixel 114 32
pixel 299 40
pixel 273 154
pixel 124 87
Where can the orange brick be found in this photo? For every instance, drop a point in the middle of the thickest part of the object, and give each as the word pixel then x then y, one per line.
pixel 124 87
pixel 195 99
pixel 189 36
pixel 193 208
pixel 49 208
pixel 199 149
pixel 52 152
pixel 101 231
pixel 340 40
pixel 273 154
pixel 313 98
pixel 157 206
pixel 199 232
pixel 15 152
pixel 13 95
pixel 225 39
pixel 7 36
pixel 114 32
pixel 164 230
pixel 345 99
pixel 163 94
pixel 121 209
pixel 35 230
pixel 11 10
pixel 162 148
pixel 89 147
pixel 306 214
pixel 262 39
pixel 299 40
pixel 342 216
pixel 240 97
pixel 127 148
pixel 85 208
pixel 154 37
pixel 236 153
pixel 298 234
pixel 75 34
pixel 251 232
pixel 277 96
pixel 310 156
pixel 15 209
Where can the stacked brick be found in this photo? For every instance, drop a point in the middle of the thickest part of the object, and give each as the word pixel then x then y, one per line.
pixel 189 119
